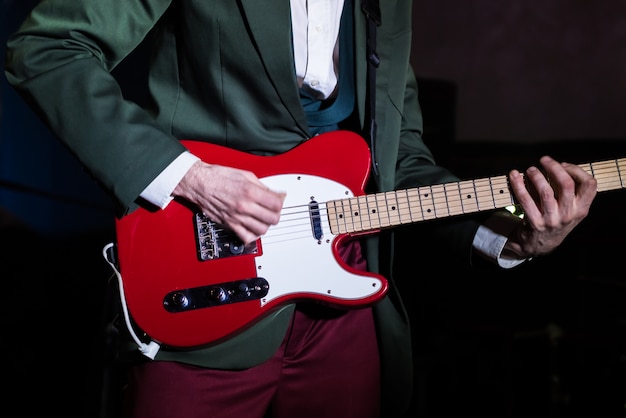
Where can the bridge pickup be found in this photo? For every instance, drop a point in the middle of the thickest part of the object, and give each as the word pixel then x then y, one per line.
pixel 216 295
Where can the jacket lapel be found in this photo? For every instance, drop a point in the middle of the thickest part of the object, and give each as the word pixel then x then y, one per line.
pixel 270 25
pixel 360 60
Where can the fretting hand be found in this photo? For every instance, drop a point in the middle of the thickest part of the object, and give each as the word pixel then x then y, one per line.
pixel 554 202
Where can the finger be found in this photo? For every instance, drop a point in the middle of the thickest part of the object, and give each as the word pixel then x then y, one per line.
pixel 245 235
pixel 538 199
pixel 265 196
pixel 560 180
pixel 261 218
pixel 538 184
pixel 271 200
pixel 586 184
pixel 251 221
pixel 523 196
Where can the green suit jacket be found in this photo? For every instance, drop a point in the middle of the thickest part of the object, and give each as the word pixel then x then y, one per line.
pixel 223 72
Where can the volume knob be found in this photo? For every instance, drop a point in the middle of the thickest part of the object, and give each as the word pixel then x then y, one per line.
pixel 180 300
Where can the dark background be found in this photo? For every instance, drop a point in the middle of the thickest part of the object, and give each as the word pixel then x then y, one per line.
pixel 501 84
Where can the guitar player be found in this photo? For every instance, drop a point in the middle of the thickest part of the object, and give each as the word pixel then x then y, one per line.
pixel 265 78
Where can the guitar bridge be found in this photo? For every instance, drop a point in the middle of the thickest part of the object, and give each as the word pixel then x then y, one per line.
pixel 215 241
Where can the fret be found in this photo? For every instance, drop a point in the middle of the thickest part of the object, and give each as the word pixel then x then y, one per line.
pixel 339 219
pixel 352 215
pixel 468 196
pixel 610 175
pixel 362 217
pixel 484 194
pixel 426 202
pixel 440 201
pixel 388 209
pixel 454 198
pixel 502 196
pixel 374 212
pixel 401 199
pixel 331 213
pixel 415 207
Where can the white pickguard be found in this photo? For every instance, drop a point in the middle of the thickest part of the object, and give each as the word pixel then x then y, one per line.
pixel 293 261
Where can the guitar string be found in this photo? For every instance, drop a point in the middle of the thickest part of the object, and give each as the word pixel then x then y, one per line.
pixel 414 205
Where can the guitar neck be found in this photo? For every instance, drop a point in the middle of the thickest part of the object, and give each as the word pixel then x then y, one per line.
pixel 400 207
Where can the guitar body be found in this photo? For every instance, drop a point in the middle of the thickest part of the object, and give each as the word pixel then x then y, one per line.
pixel 188 282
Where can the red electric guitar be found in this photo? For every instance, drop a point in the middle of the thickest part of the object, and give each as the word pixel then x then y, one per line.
pixel 189 282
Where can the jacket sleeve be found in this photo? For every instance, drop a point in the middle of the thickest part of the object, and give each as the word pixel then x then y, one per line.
pixel 60 61
pixel 416 166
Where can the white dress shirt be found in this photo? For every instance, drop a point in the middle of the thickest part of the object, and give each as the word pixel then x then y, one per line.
pixel 315 33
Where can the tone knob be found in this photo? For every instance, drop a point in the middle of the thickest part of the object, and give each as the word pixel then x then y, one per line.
pixel 217 293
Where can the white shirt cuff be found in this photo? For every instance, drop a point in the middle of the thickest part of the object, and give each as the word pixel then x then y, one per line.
pixel 159 191
pixel 492 236
pixel 491 244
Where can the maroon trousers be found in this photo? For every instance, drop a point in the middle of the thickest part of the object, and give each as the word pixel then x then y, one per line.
pixel 327 366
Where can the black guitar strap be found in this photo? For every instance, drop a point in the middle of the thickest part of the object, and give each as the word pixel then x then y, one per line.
pixel 372 13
